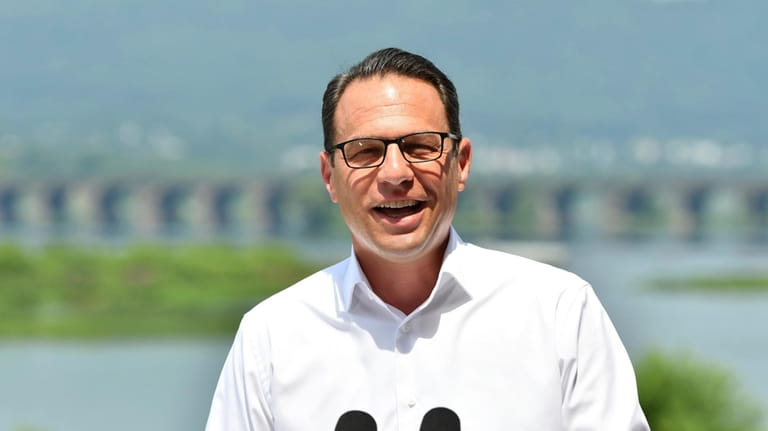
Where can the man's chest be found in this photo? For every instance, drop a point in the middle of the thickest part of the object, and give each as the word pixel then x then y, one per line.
pixel 491 382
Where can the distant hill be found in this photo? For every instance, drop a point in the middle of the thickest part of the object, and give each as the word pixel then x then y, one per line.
pixel 98 87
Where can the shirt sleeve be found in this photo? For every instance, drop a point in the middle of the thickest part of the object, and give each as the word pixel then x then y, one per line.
pixel 599 389
pixel 241 399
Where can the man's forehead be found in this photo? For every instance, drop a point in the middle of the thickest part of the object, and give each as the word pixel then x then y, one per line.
pixel 389 95
pixel 389 85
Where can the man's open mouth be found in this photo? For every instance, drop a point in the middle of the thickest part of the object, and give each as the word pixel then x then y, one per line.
pixel 398 209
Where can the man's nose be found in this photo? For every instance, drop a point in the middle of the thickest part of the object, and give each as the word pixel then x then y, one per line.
pixel 395 169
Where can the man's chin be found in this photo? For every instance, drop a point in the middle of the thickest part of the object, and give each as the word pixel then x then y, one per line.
pixel 400 248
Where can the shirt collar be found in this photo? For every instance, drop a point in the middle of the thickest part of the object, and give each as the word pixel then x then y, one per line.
pixel 351 278
pixel 452 274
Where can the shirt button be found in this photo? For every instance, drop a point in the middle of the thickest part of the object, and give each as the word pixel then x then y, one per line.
pixel 407 327
pixel 411 403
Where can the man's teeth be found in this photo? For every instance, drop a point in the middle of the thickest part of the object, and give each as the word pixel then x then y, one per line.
pixel 399 204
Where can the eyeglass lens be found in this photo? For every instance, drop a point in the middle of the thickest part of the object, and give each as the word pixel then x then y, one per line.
pixel 420 147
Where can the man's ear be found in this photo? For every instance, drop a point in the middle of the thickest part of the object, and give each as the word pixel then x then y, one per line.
pixel 326 171
pixel 464 161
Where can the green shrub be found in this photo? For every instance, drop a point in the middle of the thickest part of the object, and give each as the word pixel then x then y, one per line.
pixel 680 393
pixel 142 290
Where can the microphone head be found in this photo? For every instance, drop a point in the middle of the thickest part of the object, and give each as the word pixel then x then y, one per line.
pixel 440 419
pixel 355 420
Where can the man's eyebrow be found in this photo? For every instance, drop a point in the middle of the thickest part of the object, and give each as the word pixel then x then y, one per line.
pixel 416 132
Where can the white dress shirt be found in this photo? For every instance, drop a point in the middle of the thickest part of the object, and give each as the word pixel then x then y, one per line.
pixel 507 343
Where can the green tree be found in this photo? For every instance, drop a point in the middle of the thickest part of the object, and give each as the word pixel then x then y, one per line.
pixel 680 393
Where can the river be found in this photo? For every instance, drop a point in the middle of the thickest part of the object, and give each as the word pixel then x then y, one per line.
pixel 166 384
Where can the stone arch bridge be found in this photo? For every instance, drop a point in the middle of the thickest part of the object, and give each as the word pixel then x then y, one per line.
pixel 549 209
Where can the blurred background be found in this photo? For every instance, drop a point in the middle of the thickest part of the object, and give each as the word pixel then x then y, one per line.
pixel 159 176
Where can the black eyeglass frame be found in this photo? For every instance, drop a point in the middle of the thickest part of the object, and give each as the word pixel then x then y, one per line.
pixel 399 141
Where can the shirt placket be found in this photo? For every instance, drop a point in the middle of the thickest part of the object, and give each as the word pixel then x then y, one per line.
pixel 407 397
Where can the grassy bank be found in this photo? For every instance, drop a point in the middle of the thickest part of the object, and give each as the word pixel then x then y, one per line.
pixel 735 283
pixel 144 290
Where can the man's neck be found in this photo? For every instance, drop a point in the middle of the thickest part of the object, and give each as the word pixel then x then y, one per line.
pixel 403 285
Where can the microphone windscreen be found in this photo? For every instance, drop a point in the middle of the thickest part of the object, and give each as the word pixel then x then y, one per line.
pixel 440 419
pixel 355 420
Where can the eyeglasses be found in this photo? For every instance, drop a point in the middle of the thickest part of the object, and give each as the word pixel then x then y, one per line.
pixel 362 153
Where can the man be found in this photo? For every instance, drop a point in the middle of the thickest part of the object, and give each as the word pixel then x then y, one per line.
pixel 417 329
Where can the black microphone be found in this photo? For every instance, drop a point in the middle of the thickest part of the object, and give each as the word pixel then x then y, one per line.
pixel 355 420
pixel 440 419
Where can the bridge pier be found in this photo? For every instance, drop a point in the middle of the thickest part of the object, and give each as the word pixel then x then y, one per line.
pixel 10 197
pixel 756 204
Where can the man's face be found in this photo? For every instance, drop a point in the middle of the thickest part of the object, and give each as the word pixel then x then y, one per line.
pixel 398 211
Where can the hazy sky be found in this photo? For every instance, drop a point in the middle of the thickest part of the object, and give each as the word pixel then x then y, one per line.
pixel 239 72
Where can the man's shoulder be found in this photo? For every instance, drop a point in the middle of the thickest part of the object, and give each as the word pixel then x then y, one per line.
pixel 505 267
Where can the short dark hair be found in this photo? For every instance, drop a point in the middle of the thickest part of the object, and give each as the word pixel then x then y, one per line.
pixel 383 62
